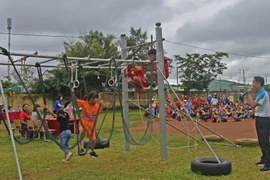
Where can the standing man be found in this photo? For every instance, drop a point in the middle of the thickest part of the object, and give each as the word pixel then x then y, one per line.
pixel 262 114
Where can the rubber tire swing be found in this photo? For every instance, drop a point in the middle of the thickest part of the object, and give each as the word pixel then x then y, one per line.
pixel 211 167
pixel 100 143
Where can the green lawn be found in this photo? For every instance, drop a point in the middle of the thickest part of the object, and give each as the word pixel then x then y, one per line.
pixel 42 160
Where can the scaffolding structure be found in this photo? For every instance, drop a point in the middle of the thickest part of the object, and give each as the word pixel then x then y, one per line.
pixel 88 63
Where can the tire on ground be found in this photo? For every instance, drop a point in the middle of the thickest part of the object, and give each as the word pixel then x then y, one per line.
pixel 210 166
pixel 247 142
pixel 213 138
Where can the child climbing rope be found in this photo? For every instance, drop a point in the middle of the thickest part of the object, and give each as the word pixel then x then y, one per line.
pixel 135 72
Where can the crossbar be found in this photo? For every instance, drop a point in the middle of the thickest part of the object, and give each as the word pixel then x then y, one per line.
pixel 74 58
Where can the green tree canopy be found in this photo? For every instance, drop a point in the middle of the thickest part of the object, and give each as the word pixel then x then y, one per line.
pixel 7 82
pixel 197 71
pixel 94 44
pixel 55 82
pixel 137 37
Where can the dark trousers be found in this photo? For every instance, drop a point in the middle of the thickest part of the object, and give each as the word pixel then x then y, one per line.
pixel 29 134
pixel 263 128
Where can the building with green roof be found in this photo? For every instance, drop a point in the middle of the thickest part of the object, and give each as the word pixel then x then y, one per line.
pixel 226 85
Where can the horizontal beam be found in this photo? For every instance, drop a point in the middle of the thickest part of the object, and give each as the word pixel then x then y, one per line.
pixel 143 44
pixel 73 58
pixel 54 66
pixel 49 60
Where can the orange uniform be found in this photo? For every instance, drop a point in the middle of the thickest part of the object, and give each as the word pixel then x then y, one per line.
pixel 88 117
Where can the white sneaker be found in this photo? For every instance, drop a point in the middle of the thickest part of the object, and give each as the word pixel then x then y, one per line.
pixel 68 156
pixel 64 161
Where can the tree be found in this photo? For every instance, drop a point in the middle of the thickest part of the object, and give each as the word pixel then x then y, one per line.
pixel 267 87
pixel 137 37
pixel 55 82
pixel 94 44
pixel 197 71
pixel 97 45
pixel 7 83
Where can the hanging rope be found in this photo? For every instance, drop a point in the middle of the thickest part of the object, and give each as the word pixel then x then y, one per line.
pixel 81 72
pixel 98 72
pixel 74 81
pixel 146 137
pixel 17 140
pixel 5 52
pixel 112 60
pixel 43 120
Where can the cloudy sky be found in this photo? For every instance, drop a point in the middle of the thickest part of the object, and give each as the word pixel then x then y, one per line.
pixel 233 26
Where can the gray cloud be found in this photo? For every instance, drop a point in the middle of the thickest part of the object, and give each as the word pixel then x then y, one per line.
pixel 238 26
pixel 242 28
pixel 71 17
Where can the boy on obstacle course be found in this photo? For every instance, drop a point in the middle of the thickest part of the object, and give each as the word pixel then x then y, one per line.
pixel 65 134
pixel 135 72
pixel 153 55
pixel 89 112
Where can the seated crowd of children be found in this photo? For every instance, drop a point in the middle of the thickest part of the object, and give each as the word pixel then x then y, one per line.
pixel 216 109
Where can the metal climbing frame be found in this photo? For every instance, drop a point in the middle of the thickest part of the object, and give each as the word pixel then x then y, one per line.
pixel 161 93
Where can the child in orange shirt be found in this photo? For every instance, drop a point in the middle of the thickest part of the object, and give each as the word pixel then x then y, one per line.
pixel 89 112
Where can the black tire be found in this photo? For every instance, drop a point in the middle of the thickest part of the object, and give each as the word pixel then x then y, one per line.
pixel 211 167
pixel 100 143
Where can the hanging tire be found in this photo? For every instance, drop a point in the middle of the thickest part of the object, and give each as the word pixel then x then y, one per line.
pixel 248 142
pixel 211 167
pixel 213 138
pixel 100 143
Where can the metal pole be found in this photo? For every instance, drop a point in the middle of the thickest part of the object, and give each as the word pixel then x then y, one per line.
pixel 56 66
pixel 9 24
pixel 131 101
pixel 152 41
pixel 49 60
pixel 220 84
pixel 11 132
pixel 143 44
pixel 125 90
pixel 177 76
pixel 195 124
pixel 74 58
pixel 217 134
pixel 194 138
pixel 161 94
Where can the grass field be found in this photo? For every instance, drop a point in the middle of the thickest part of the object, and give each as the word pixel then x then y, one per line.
pixel 42 160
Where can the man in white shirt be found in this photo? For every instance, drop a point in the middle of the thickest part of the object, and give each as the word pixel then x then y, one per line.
pixel 262 114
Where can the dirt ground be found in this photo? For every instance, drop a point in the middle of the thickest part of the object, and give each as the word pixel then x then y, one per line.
pixel 229 130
